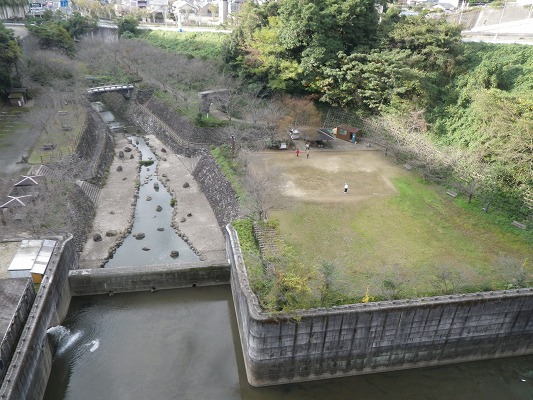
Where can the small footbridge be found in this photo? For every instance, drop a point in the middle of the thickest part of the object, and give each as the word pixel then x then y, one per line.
pixel 125 90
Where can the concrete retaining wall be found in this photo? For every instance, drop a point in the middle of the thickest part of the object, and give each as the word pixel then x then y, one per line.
pixel 376 337
pixel 152 277
pixel 30 367
pixel 23 287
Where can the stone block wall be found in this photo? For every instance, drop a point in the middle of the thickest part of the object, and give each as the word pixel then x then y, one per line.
pixel 376 337
pixel 27 375
pixel 85 282
pixel 219 192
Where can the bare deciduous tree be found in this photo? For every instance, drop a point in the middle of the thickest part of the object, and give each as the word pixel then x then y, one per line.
pixel 263 186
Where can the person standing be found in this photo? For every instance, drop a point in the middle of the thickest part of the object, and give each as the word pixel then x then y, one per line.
pixel 345 187
pixel 297 152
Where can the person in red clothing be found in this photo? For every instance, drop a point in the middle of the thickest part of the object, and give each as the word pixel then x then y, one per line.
pixel 297 152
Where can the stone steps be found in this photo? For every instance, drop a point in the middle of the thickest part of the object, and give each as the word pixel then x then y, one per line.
pixel 268 240
pixel 46 172
pixel 92 191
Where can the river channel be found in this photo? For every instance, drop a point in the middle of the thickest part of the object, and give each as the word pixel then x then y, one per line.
pixel 184 344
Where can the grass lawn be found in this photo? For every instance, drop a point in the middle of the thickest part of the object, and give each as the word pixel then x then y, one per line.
pixel 392 234
pixel 206 45
pixel 63 131
pixel 10 122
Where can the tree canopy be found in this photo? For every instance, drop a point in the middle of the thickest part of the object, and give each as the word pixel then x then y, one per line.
pixel 10 51
pixel 339 52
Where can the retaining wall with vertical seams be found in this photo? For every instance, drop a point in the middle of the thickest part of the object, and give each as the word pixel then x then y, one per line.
pixel 28 372
pixel 85 282
pixel 376 337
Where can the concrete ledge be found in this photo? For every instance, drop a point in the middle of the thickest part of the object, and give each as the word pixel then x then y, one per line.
pixel 151 277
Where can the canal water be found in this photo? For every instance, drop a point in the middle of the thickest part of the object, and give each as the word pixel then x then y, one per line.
pixel 153 210
pixel 153 217
pixel 184 344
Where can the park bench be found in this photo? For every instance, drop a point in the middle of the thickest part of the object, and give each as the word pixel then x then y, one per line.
pixel 518 225
pixel 451 193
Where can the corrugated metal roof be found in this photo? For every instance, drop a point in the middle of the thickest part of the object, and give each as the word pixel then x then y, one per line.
pixel 33 255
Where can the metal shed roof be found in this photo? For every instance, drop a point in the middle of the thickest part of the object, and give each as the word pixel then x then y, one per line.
pixel 33 255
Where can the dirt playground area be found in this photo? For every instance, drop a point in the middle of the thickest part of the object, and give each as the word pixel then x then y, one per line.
pixel 320 178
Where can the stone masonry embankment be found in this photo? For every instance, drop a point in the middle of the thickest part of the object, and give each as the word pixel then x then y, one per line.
pixel 218 190
pixel 151 277
pixel 30 367
pixel 175 133
pixel 376 337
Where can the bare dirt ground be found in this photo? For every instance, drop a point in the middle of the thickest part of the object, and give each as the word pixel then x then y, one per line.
pixel 320 178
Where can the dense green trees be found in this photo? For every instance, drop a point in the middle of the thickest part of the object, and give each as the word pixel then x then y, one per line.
pixel 57 32
pixel 128 26
pixel 339 52
pixel 284 45
pixel 9 53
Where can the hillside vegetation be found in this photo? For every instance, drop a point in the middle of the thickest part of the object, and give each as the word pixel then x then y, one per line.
pixel 475 99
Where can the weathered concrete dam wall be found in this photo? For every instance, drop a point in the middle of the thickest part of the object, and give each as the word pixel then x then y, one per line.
pixel 376 337
pixel 30 366
pixel 85 282
pixel 22 290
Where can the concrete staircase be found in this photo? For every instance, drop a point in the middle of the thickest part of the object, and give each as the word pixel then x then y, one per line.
pixel 92 191
pixel 46 172
pixel 268 239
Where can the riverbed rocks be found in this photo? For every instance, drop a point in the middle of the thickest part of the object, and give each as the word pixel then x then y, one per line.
pixel 148 198
pixel 139 236
pixel 119 168
pixel 174 254
pixel 146 248
pixel 160 229
pixel 163 150
pixel 97 237
pixel 186 185
pixel 111 233
pixel 159 208
pixel 127 149
pixel 121 154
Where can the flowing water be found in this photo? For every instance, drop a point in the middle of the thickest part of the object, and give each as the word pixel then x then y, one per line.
pixel 153 212
pixel 184 344
pixel 160 237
